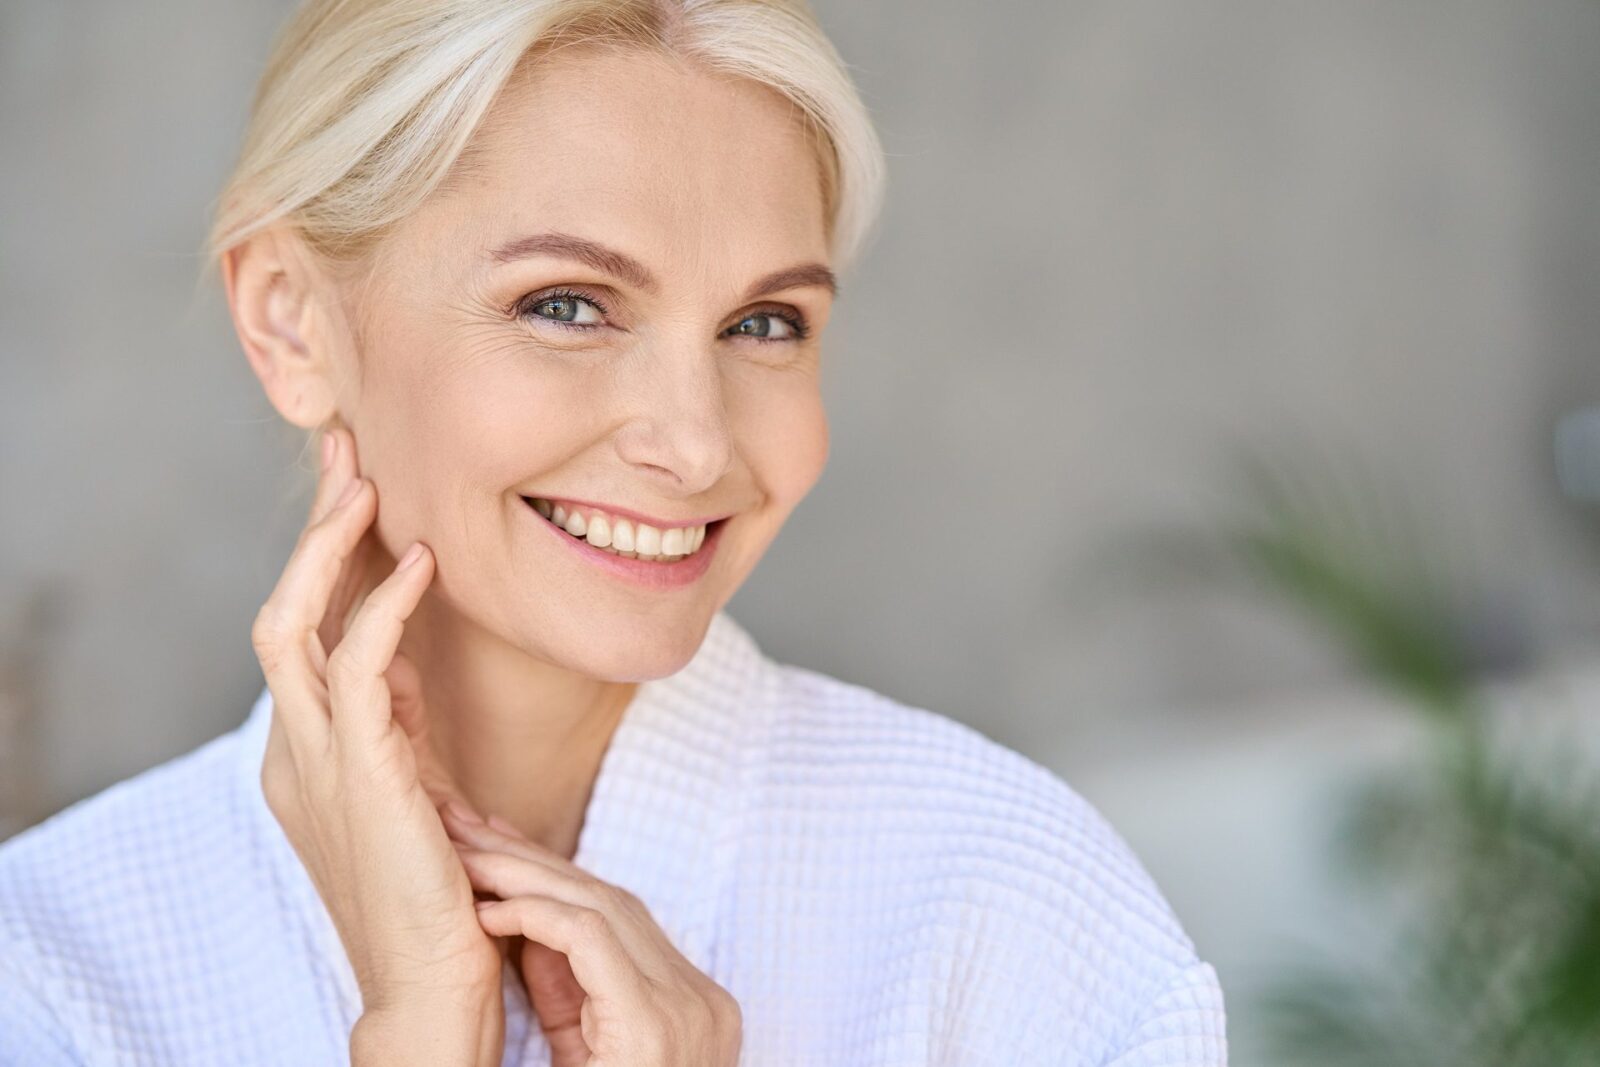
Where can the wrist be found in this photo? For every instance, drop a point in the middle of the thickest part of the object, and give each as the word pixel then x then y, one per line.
pixel 452 1033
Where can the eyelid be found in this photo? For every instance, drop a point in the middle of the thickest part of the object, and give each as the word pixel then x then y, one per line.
pixel 560 292
pixel 522 310
pixel 793 316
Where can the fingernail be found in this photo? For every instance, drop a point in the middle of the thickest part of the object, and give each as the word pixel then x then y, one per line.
pixel 328 447
pixel 413 554
pixel 349 493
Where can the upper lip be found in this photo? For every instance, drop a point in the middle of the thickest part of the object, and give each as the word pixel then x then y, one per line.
pixel 628 513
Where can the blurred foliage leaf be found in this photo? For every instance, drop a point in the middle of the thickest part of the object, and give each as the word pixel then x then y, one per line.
pixel 1490 857
pixel 1354 559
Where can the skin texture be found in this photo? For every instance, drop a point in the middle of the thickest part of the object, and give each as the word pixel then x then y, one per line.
pixel 513 658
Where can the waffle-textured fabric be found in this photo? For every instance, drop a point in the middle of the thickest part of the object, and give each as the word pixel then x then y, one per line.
pixel 875 883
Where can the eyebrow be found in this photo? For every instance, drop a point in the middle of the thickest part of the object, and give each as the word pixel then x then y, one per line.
pixel 621 265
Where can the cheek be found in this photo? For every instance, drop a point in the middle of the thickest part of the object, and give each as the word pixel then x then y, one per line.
pixel 500 427
pixel 785 439
pixel 455 442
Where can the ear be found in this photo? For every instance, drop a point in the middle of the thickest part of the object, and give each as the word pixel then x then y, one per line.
pixel 280 302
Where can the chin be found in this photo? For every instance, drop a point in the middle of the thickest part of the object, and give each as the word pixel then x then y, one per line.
pixel 639 652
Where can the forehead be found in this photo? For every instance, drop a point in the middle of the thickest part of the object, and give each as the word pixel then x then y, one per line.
pixel 659 157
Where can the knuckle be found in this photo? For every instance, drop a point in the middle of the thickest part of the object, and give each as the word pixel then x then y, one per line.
pixel 319 538
pixel 661 1041
pixel 307 541
pixel 279 787
pixel 344 670
pixel 689 1024
pixel 731 1028
pixel 267 635
pixel 324 529
pixel 694 1015
pixel 271 786
pixel 609 897
pixel 589 924
pixel 726 1008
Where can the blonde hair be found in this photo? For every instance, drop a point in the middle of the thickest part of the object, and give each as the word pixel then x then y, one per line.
pixel 365 106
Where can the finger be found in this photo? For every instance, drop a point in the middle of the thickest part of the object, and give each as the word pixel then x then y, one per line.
pixel 300 598
pixel 406 708
pixel 348 590
pixel 358 688
pixel 340 467
pixel 456 811
pixel 479 835
pixel 337 469
pixel 557 998
pixel 405 696
pixel 495 822
pixel 509 876
pixel 506 838
pixel 299 601
pixel 585 936
pixel 284 631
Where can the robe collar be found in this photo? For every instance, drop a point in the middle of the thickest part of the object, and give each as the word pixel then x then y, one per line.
pixel 661 821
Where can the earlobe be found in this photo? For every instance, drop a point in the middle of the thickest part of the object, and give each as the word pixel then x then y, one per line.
pixel 268 288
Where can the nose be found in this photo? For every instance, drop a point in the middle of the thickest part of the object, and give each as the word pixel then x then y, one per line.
pixel 680 433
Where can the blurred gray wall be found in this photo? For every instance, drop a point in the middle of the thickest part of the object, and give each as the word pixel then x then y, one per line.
pixel 1120 235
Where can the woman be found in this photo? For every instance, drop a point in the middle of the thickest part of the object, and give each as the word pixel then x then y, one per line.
pixel 546 281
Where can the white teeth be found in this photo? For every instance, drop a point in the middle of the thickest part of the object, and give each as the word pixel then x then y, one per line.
pixel 624 537
pixel 647 539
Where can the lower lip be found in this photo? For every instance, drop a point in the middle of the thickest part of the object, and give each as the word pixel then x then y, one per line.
pixel 652 575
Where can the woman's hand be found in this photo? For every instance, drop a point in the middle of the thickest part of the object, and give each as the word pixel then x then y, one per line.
pixel 609 988
pixel 349 783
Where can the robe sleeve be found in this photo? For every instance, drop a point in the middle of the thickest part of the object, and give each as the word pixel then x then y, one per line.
pixel 1182 1025
pixel 31 1033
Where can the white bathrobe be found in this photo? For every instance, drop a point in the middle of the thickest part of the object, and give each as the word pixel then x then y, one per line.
pixel 876 884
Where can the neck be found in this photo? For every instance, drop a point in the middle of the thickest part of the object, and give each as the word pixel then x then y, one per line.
pixel 520 737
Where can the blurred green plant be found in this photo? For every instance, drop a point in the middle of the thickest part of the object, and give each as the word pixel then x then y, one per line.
pixel 1491 855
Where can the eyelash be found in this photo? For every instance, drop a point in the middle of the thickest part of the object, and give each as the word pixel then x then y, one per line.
pixel 524 310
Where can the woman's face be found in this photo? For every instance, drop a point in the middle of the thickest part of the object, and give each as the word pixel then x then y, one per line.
pixel 619 302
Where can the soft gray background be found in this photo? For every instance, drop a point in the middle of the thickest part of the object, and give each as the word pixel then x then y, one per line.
pixel 1120 235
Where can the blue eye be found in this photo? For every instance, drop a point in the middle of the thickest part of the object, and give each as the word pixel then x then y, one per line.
pixel 575 311
pixel 568 309
pixel 769 326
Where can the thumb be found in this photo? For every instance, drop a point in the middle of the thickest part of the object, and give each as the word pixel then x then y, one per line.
pixel 405 695
pixel 407 708
pixel 557 1000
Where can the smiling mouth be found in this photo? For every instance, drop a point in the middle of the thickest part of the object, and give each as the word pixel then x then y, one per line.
pixel 624 537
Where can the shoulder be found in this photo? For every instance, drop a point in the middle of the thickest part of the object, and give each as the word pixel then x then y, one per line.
pixel 1031 887
pixel 983 811
pixel 133 838
pixel 108 890
pixel 32 1033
